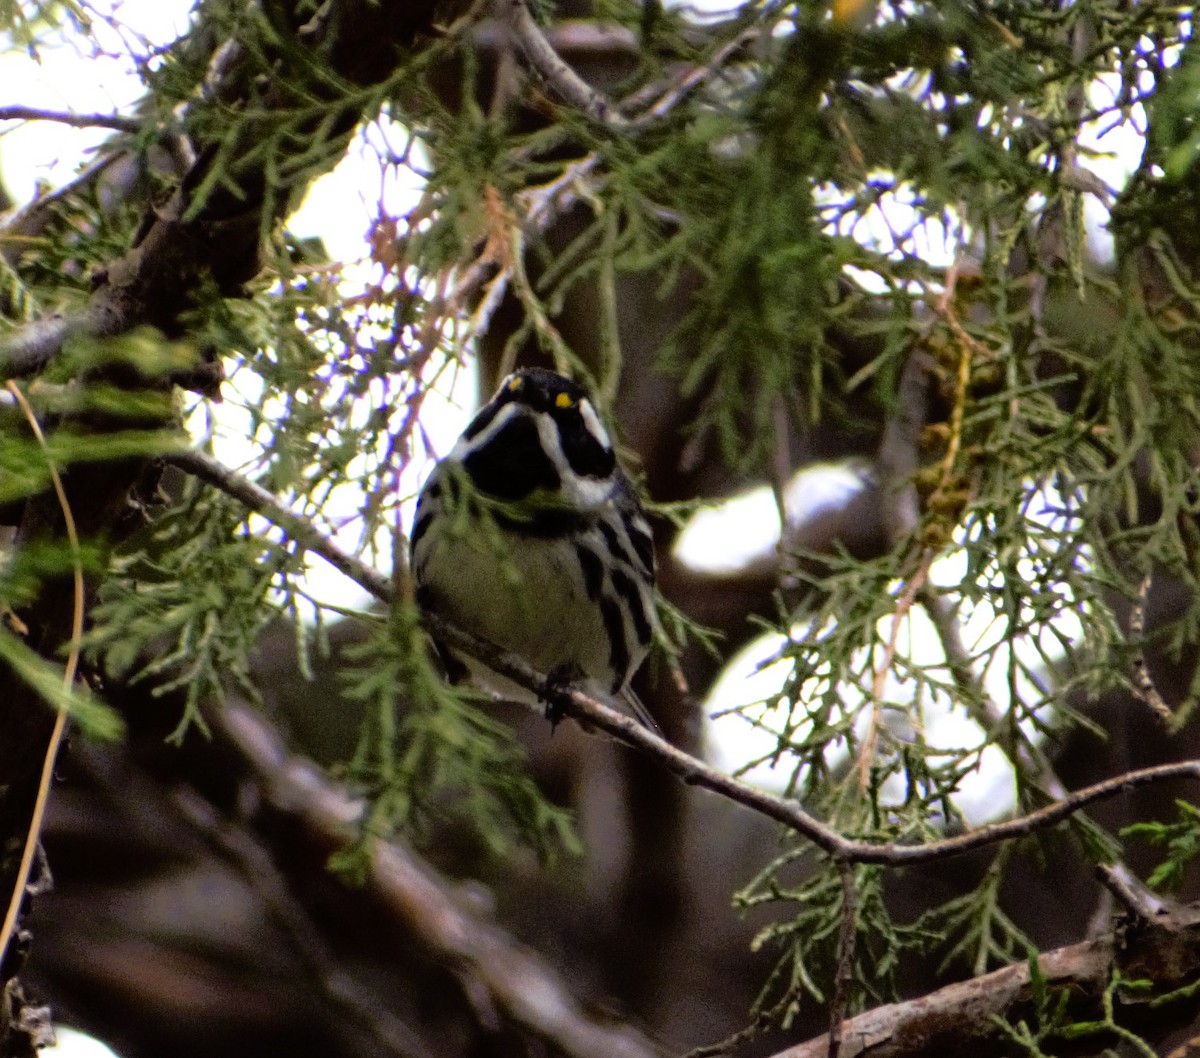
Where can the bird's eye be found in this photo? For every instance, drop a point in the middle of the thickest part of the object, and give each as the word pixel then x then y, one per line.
pixel 563 400
pixel 514 383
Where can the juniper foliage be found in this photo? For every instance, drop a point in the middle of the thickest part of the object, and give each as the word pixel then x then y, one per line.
pixel 918 179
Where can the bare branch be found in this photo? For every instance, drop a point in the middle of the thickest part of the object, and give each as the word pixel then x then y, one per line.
pixel 577 37
pixel 540 206
pixel 79 121
pixel 1122 884
pixel 688 81
pixel 963 1017
pixel 260 501
pixel 541 55
pixel 516 980
pixel 960 1011
pixel 789 813
pixel 898 457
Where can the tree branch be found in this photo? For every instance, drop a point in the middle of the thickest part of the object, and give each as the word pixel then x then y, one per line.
pixel 514 977
pixel 1144 688
pixel 686 82
pixel 541 55
pixel 625 729
pixel 79 121
pixel 30 348
pixel 590 38
pixel 844 976
pixel 962 1011
pixel 260 501
pixel 962 1018
pixel 355 1002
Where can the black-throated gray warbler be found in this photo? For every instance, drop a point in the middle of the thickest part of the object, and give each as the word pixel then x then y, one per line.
pixel 531 536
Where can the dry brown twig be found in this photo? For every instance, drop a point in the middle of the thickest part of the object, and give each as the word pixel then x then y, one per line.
pixel 8 924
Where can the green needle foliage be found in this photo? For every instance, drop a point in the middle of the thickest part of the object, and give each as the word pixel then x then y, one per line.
pixel 837 195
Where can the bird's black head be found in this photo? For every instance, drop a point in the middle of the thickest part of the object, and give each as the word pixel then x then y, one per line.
pixel 538 433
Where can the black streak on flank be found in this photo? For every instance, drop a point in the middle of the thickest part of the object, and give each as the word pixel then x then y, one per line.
pixel 420 527
pixel 618 651
pixel 593 570
pixel 643 543
pixel 637 608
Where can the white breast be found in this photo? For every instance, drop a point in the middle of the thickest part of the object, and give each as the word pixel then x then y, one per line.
pixel 525 594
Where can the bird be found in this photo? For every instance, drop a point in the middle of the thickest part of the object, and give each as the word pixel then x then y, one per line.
pixel 529 534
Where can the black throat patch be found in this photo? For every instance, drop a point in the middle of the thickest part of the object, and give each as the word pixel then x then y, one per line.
pixel 512 463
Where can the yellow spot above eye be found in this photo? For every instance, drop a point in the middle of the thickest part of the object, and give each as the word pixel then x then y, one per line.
pixel 563 400
pixel 514 384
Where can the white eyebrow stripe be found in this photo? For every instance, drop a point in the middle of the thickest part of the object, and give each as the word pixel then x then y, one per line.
pixel 552 443
pixel 593 424
pixel 463 447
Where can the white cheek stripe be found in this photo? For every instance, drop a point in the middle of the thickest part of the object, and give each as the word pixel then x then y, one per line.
pixel 552 443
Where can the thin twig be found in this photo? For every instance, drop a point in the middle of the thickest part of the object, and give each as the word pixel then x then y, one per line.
pixel 79 121
pixel 899 455
pixel 916 582
pixel 541 55
pixel 1143 682
pixel 730 1044
pixel 260 501
pixel 979 706
pixel 688 81
pixel 625 729
pixel 538 207
pixel 1139 900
